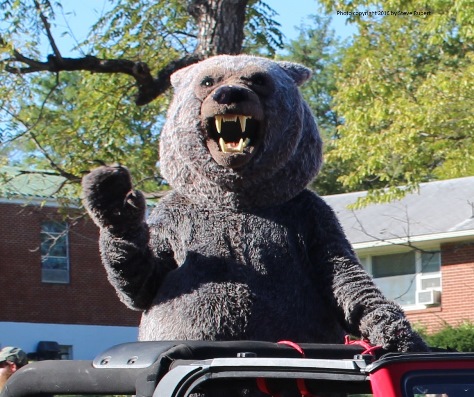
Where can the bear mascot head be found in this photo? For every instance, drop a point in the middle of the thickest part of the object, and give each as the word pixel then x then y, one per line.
pixel 239 133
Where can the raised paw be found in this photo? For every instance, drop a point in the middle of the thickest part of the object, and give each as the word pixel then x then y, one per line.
pixel 110 199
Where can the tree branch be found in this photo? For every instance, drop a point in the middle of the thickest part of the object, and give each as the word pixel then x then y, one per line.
pixel 48 30
pixel 148 92
pixel 63 173
pixel 148 87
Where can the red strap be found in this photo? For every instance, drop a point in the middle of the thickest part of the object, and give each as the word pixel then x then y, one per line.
pixel 262 383
pixel 300 383
pixel 263 387
pixel 369 349
pixel 293 345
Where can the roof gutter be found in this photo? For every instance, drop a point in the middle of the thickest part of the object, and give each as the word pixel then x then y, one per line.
pixel 411 240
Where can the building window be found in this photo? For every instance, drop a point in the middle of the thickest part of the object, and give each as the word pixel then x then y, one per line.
pixel 65 352
pixel 410 278
pixel 54 253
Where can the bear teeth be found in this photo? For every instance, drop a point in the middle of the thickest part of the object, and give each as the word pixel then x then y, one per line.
pixel 230 117
pixel 232 147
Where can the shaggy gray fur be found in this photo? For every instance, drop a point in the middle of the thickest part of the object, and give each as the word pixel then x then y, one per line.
pixel 239 249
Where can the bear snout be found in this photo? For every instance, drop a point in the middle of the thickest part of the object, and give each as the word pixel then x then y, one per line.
pixel 229 94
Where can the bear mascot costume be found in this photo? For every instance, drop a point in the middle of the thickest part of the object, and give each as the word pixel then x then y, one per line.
pixel 239 249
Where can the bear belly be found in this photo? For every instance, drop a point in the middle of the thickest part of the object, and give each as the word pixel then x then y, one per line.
pixel 210 311
pixel 250 281
pixel 265 297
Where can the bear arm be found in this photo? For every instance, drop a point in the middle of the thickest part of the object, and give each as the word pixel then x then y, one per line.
pixel 133 268
pixel 363 308
pixel 366 311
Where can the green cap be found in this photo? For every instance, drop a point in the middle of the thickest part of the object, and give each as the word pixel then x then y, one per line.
pixel 14 355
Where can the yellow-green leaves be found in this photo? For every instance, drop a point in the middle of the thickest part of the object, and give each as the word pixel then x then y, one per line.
pixel 406 91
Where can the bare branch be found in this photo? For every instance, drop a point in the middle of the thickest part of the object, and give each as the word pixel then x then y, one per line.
pixel 65 174
pixel 395 240
pixel 48 30
pixel 148 87
pixel 146 93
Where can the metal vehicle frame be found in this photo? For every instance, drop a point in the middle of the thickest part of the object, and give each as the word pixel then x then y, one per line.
pixel 178 368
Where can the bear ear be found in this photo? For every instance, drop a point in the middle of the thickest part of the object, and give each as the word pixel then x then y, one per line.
pixel 297 72
pixel 179 76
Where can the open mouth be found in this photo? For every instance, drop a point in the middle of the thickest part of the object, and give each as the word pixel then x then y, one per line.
pixel 234 132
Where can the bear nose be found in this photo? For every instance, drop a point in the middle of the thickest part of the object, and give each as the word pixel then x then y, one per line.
pixel 228 94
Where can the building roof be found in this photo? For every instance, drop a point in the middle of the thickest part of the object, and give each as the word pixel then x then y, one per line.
pixel 18 183
pixel 438 210
pixel 45 185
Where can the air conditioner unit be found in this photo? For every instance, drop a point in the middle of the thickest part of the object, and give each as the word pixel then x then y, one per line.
pixel 429 297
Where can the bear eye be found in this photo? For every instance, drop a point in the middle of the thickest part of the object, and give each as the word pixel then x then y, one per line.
pixel 207 81
pixel 258 79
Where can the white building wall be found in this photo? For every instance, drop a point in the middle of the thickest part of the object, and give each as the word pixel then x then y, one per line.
pixel 87 341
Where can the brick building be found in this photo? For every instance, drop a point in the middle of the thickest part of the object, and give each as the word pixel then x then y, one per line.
pixel 420 250
pixel 53 287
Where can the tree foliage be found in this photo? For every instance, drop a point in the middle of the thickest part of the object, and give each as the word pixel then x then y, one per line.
pixel 72 113
pixel 394 105
pixel 318 47
pixel 405 89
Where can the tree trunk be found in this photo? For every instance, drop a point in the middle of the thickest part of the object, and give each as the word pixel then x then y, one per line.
pixel 220 26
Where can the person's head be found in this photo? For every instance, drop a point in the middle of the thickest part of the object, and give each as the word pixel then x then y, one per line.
pixel 11 359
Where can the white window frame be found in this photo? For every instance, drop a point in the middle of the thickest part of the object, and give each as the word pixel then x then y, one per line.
pixel 366 261
pixel 66 271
